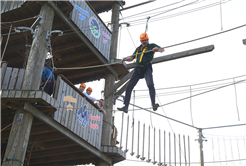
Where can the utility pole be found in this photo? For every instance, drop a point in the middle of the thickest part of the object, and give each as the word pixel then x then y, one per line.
pixel 200 144
pixel 22 123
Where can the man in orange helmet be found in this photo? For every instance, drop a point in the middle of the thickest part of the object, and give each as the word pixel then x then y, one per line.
pixel 93 99
pixel 143 69
pixel 82 87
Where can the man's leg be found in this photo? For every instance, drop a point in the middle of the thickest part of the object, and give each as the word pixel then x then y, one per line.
pixel 130 85
pixel 150 83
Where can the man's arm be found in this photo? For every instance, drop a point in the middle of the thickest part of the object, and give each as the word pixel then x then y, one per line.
pixel 129 58
pixel 156 49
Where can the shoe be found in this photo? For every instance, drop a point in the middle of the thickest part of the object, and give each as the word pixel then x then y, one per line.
pixel 155 107
pixel 123 109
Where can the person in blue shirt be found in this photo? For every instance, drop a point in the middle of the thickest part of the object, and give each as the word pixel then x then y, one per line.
pixel 48 76
pixel 143 69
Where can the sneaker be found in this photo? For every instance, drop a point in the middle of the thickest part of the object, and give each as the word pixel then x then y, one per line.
pixel 123 109
pixel 155 107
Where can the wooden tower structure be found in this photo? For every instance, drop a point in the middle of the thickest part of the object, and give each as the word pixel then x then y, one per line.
pixel 38 129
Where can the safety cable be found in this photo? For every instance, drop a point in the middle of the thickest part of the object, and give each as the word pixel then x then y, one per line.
pixel 19 20
pixel 178 14
pixel 7 41
pixel 236 99
pixel 87 67
pixel 146 12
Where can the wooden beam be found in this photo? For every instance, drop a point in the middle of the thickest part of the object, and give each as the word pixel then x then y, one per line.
pixel 64 157
pixel 82 37
pixel 122 90
pixel 118 84
pixel 47 137
pixel 178 55
pixel 51 122
pixel 55 152
pixel 67 46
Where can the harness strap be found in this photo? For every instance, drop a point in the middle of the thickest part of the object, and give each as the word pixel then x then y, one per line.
pixel 140 60
pixel 8 159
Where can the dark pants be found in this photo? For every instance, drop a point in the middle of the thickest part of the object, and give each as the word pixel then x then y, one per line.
pixel 49 88
pixel 133 81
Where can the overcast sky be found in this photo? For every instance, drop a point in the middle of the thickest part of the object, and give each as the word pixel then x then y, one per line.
pixel 218 108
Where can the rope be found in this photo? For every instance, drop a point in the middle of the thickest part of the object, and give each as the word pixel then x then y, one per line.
pixel 191 107
pixel 19 20
pixel 236 99
pixel 7 126
pixel 219 148
pixel 7 41
pixel 221 16
pixel 88 67
pixel 225 149
pixel 232 152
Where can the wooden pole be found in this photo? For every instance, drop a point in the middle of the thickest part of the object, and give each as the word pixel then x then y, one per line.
pixel 20 131
pixel 110 78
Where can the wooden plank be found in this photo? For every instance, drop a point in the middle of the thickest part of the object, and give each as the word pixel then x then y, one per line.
pixel 3 70
pixel 100 131
pixel 73 117
pixel 18 93
pixel 24 94
pixel 11 94
pixel 4 93
pixel 31 94
pixel 58 95
pixel 76 125
pixel 57 88
pixel 20 79
pixel 50 122
pixel 38 94
pixel 178 55
pixel 118 84
pixel 13 78
pixel 6 78
pixel 65 111
pixel 61 102
pixel 70 113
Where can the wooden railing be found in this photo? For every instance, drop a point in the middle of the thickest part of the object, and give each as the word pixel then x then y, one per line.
pixel 78 113
pixel 73 109
pixel 11 78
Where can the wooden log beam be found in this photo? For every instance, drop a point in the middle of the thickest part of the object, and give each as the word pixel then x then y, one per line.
pixel 177 55
pixel 35 112
pixel 118 84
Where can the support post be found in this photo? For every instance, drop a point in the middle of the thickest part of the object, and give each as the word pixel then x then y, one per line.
pixel 200 144
pixel 20 131
pixel 110 78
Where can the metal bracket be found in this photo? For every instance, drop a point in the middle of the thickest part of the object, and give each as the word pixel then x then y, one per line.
pixel 48 35
pixel 19 119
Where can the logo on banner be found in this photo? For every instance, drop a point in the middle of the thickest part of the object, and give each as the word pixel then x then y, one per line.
pixel 95 118
pixel 82 117
pixel 106 36
pixel 94 26
pixel 84 12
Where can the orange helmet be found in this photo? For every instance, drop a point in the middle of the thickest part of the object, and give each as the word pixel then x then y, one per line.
pixel 83 85
pixel 89 88
pixel 144 36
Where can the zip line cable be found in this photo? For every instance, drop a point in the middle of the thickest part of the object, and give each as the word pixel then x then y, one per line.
pixel 25 19
pixel 168 10
pixel 185 91
pixel 146 12
pixel 137 22
pixel 75 68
